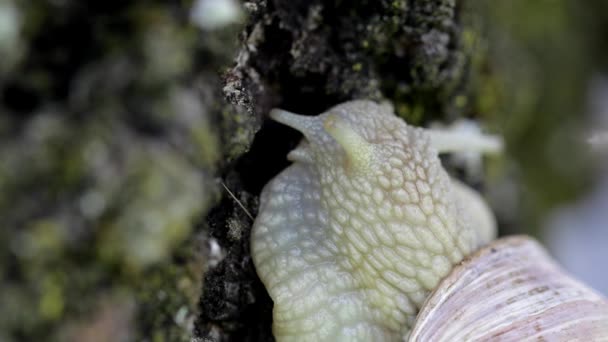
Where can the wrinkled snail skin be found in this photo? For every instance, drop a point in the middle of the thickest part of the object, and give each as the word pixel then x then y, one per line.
pixel 354 236
pixel 476 211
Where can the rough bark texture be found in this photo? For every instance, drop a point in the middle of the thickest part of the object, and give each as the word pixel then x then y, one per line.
pixel 120 120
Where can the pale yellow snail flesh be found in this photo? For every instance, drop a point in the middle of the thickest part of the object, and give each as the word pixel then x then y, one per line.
pixel 352 238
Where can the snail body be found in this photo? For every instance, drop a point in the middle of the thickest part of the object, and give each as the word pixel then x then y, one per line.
pixel 365 231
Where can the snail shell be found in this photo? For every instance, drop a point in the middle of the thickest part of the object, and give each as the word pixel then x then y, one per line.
pixel 511 290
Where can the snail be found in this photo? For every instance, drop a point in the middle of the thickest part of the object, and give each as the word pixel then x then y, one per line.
pixel 365 237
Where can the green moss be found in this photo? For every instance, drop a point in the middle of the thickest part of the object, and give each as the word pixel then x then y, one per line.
pixel 241 131
pixel 169 297
pixel 52 299
pixel 158 210
pixel 105 169
pixel 532 83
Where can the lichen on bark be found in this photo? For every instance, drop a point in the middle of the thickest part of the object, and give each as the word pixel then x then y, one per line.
pixel 108 145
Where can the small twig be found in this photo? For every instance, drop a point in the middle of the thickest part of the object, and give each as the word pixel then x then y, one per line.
pixel 237 201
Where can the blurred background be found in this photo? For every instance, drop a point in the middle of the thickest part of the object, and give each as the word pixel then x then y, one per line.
pixel 121 120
